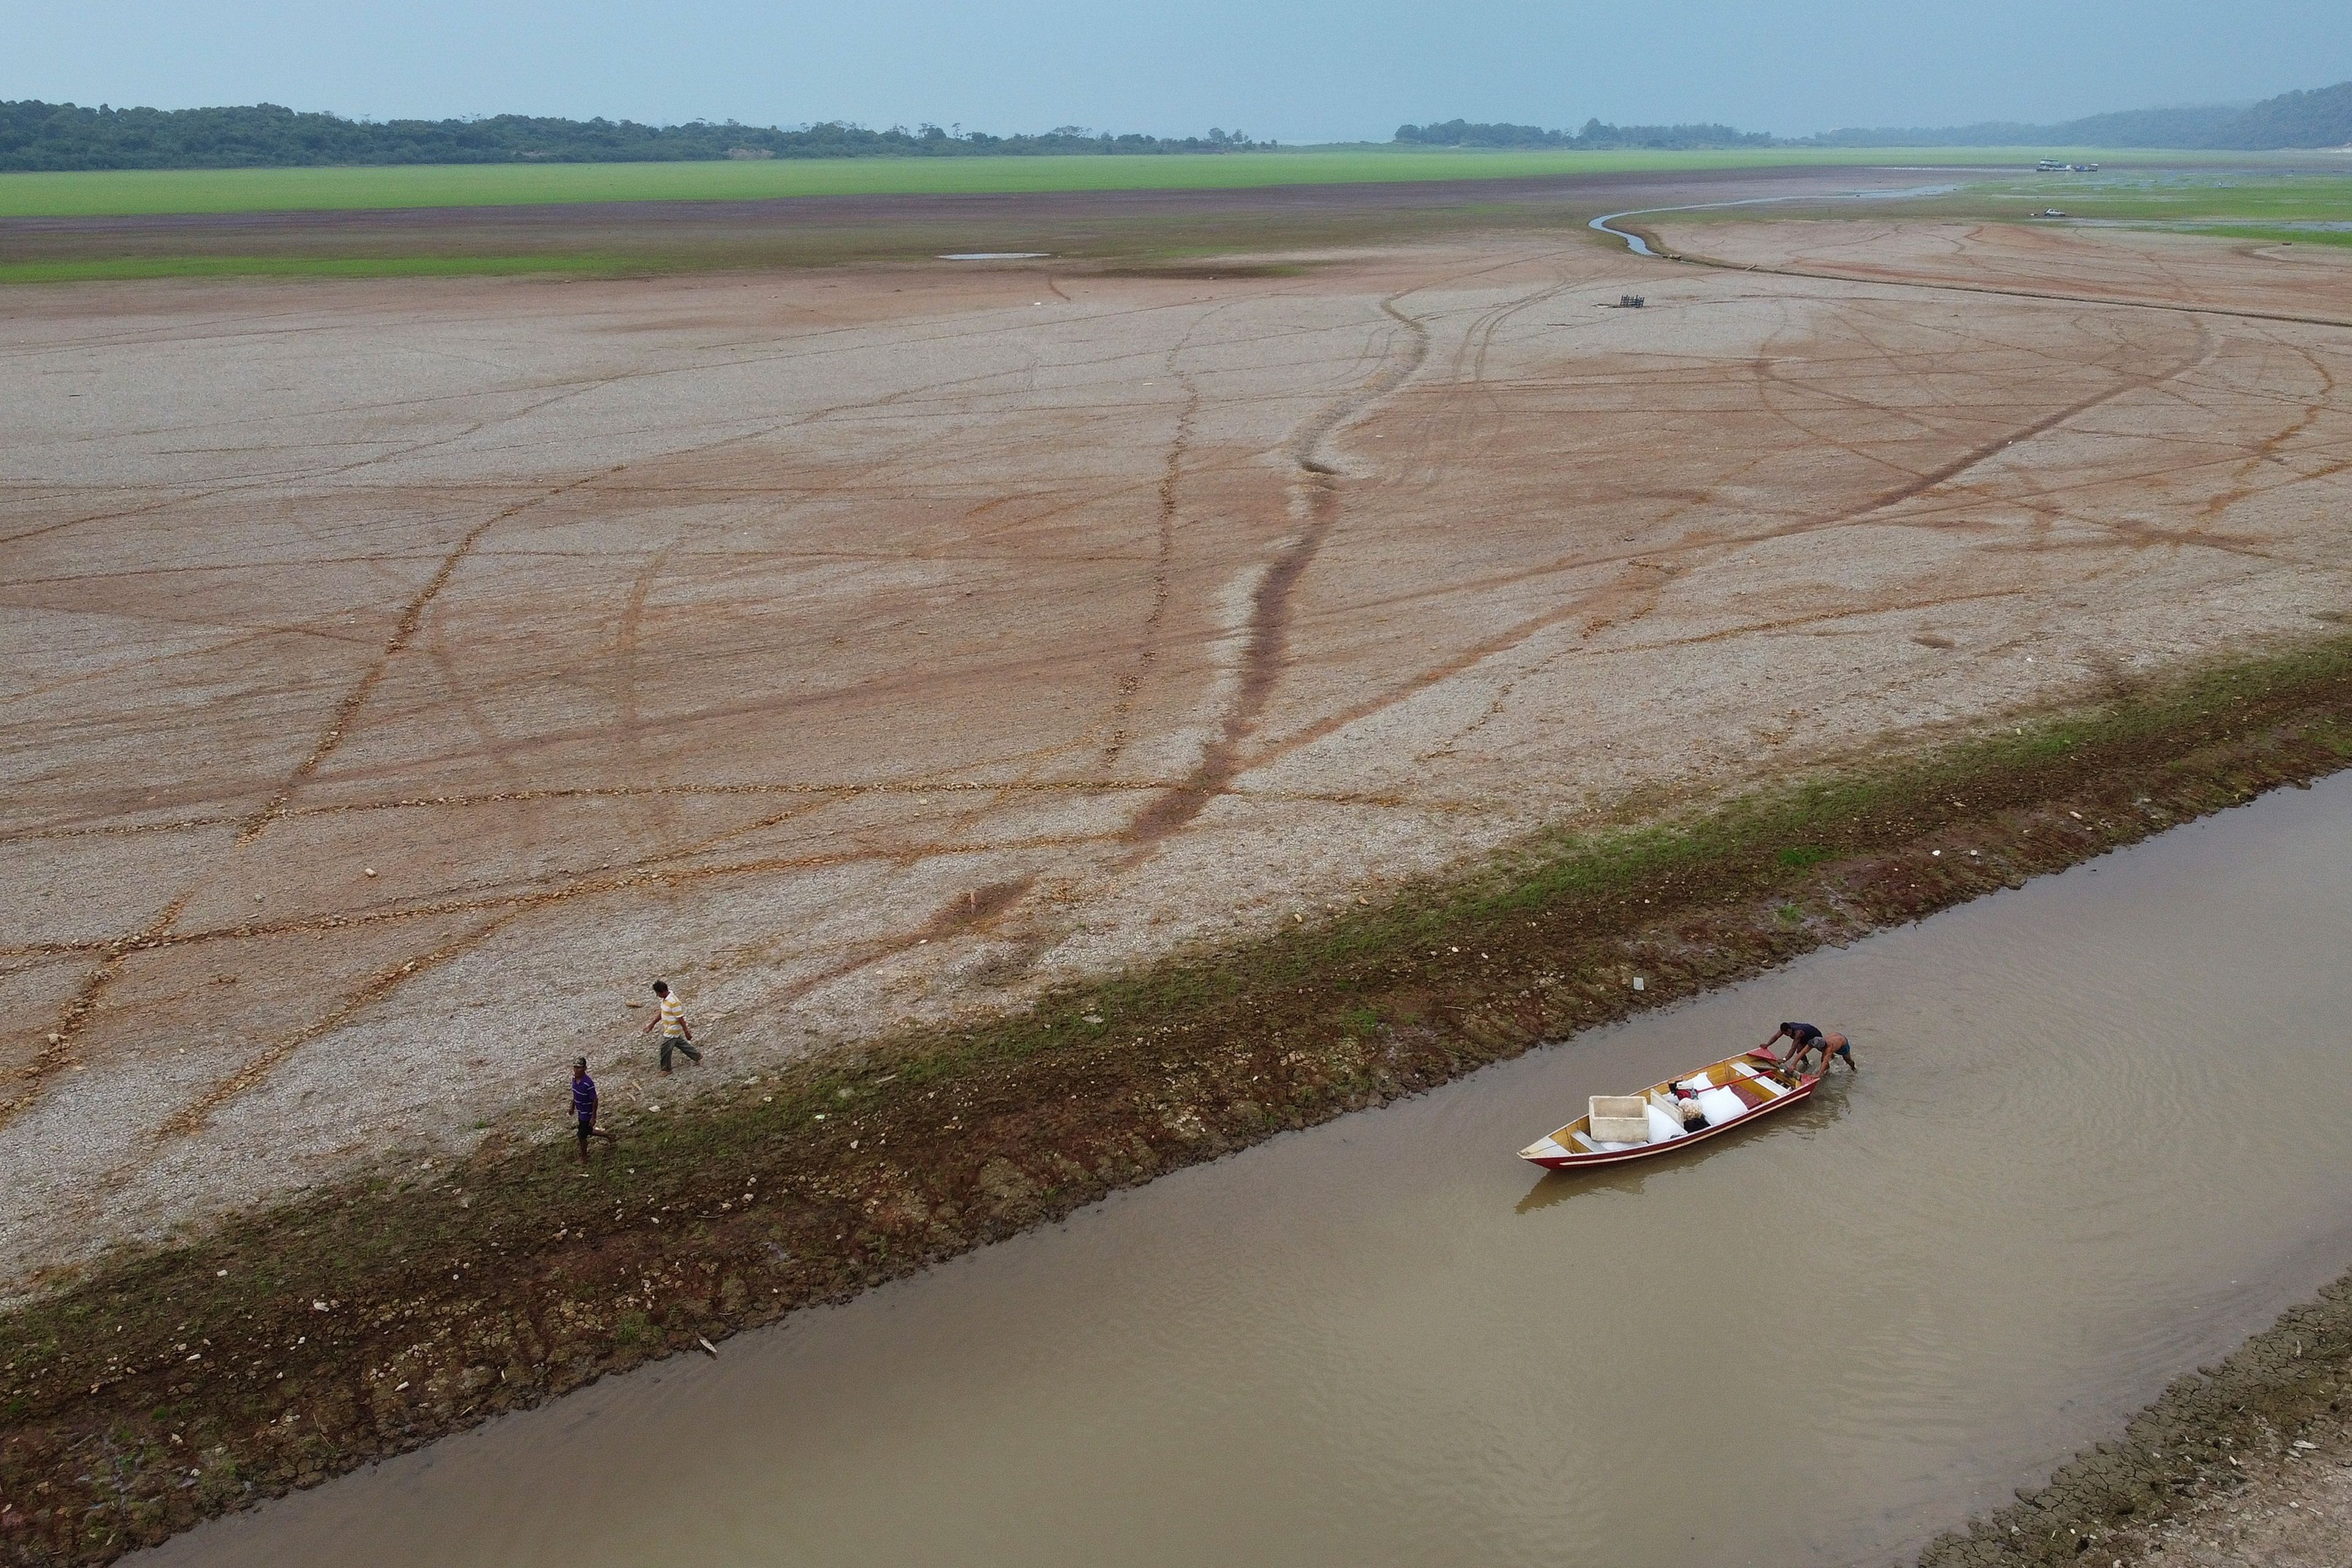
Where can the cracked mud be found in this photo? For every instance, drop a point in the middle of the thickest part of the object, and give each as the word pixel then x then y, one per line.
pixel 402 674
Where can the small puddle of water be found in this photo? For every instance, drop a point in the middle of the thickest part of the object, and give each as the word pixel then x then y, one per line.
pixel 2098 1137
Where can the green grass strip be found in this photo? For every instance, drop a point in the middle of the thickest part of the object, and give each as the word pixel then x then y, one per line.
pixel 158 192
pixel 126 268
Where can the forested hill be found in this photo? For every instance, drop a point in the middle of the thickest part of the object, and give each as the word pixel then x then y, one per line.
pixel 35 135
pixel 2293 120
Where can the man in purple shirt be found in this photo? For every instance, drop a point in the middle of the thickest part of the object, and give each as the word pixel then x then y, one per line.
pixel 584 1107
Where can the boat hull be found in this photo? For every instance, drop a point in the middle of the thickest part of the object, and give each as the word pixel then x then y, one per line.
pixel 1567 1159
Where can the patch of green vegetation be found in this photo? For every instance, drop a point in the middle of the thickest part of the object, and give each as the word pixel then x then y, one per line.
pixel 1360 1023
pixel 2274 236
pixel 154 191
pixel 1799 855
pixel 2336 737
pixel 2271 198
pixel 124 268
pixel 2289 204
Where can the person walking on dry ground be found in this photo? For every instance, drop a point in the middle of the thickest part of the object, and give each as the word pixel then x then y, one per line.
pixel 671 1022
pixel 584 1107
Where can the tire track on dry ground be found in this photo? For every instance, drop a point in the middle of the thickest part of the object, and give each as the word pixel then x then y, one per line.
pixel 1266 643
pixel 1266 632
pixel 1269 618
pixel 959 913
pixel 661 870
pixel 1162 564
pixel 1913 484
pixel 404 632
pixel 2203 349
pixel 2242 483
pixel 75 1016
pixel 56 1054
pixel 74 1020
pixel 814 788
pixel 192 1115
pixel 1694 259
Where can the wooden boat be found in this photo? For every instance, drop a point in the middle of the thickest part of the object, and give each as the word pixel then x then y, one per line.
pixel 1734 1093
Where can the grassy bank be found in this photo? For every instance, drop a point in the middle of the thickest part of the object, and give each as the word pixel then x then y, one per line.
pixel 154 192
pixel 2276 236
pixel 131 268
pixel 2172 197
pixel 162 1385
pixel 2272 205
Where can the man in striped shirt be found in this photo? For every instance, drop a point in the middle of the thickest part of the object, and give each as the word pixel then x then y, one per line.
pixel 584 1107
pixel 671 1021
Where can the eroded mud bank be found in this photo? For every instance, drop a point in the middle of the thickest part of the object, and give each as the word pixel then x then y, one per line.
pixel 2218 1469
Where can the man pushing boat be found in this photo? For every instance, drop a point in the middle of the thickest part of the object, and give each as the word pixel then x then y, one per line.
pixel 1805 1039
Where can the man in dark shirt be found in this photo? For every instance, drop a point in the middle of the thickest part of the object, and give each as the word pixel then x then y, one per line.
pixel 1805 1039
pixel 584 1107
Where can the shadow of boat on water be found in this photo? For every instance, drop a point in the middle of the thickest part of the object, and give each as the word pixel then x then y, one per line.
pixel 1824 1110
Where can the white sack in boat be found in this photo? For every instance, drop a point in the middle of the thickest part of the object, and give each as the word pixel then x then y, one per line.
pixel 1664 1126
pixel 1720 1105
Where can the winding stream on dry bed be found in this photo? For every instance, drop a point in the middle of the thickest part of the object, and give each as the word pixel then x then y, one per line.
pixel 2102 1132
pixel 1607 222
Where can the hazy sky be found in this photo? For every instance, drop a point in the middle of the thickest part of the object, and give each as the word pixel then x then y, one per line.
pixel 1294 70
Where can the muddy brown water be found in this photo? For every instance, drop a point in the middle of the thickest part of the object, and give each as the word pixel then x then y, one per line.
pixel 2102 1132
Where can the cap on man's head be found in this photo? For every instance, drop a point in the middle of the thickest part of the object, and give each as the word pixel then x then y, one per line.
pixel 580 1062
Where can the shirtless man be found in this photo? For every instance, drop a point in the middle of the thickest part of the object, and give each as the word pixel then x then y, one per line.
pixel 1805 1039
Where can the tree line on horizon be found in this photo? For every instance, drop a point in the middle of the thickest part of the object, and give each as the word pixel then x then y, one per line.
pixel 1594 137
pixel 37 136
pixel 2321 118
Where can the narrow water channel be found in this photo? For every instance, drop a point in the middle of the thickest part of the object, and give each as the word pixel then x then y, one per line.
pixel 2102 1132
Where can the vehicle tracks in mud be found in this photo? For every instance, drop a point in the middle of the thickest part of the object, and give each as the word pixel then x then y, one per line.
pixel 1265 637
pixel 2120 302
pixel 74 1020
pixel 1279 616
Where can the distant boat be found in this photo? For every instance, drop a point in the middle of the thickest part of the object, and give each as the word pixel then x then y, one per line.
pixel 1733 1093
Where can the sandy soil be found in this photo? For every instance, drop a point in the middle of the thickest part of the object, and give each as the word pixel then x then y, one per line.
pixel 401 675
pixel 2083 260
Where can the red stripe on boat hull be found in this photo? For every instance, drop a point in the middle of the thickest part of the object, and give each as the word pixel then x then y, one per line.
pixel 1803 1090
